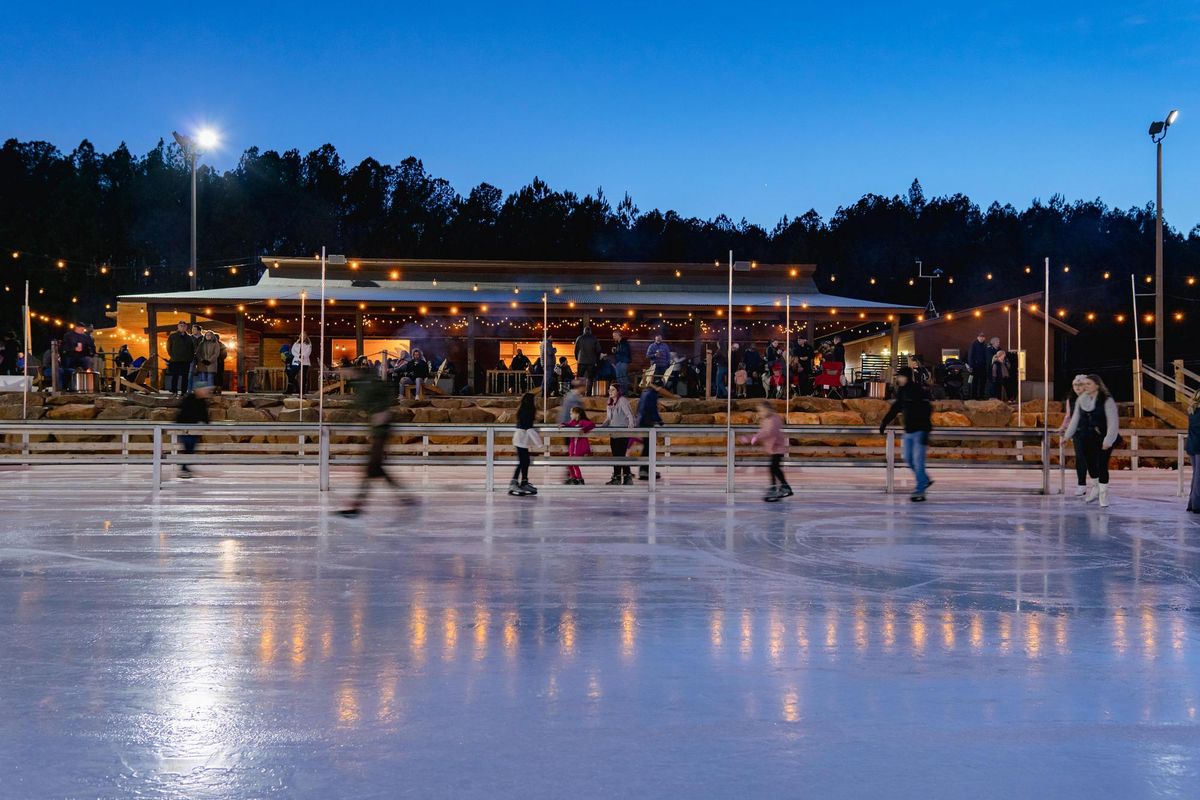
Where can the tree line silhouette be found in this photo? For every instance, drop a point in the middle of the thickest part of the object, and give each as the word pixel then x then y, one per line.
pixel 121 223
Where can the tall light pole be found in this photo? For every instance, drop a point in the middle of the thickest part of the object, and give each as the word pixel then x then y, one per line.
pixel 1158 132
pixel 205 139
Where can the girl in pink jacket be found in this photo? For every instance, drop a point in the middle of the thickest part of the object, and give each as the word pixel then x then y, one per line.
pixel 770 436
pixel 578 445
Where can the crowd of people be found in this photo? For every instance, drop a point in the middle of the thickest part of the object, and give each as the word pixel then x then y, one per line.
pixel 195 357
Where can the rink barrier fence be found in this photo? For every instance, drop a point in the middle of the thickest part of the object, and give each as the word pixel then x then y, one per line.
pixel 332 445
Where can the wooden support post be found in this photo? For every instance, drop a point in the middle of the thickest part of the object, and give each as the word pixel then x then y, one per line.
pixel 1180 381
pixel 1137 387
pixel 241 352
pixel 809 333
pixel 697 345
pixel 152 338
pixel 358 336
pixel 471 322
pixel 895 345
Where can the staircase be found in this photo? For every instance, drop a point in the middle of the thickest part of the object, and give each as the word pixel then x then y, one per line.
pixel 1146 401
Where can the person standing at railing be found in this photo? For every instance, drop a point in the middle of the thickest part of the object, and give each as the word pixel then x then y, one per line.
pixel 1080 460
pixel 373 397
pixel 1095 422
pixel 1192 446
pixel 193 410
pixel 913 403
pixel 648 417
pixel 774 443
pixel 618 414
pixel 578 446
pixel 525 437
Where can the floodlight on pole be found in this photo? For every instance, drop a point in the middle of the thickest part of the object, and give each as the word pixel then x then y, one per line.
pixel 1158 132
pixel 204 139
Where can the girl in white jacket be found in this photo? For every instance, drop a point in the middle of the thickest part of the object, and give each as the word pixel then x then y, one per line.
pixel 525 437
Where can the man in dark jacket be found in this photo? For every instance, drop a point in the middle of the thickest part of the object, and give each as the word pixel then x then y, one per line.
pixel 659 354
pixel 10 355
pixel 621 359
pixel 520 362
pixel 979 361
pixel 181 351
pixel 912 401
pixel 77 349
pixel 587 354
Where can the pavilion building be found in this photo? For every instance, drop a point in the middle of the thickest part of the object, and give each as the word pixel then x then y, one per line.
pixel 478 313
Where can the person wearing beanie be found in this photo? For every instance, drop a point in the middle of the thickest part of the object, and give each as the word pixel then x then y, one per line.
pixel 912 402
pixel 1080 461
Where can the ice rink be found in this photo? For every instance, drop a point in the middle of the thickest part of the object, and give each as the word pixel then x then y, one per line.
pixel 233 639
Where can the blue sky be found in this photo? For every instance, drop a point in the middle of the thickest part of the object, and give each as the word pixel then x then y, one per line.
pixel 752 109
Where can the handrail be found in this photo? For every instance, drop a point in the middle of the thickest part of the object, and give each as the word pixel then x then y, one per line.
pixel 1167 381
pixel 311 444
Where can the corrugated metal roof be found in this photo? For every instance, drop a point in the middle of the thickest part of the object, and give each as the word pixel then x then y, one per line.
pixel 647 298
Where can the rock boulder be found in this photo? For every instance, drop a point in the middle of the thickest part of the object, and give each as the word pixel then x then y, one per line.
pixel 988 413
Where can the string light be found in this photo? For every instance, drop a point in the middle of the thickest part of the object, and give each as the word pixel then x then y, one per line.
pixel 61 264
pixel 989 276
pixel 1120 317
pixel 1091 316
pixel 394 275
pixel 1107 275
pixel 1028 270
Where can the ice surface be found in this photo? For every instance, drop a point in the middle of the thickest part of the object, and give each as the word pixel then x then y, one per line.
pixel 233 640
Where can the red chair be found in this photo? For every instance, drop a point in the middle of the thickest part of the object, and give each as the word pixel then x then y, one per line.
pixel 829 381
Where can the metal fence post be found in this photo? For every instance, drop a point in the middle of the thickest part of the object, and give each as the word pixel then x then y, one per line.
pixel 156 458
pixel 323 460
pixel 729 456
pixel 1062 467
pixel 1046 463
pixel 490 456
pixel 652 454
pixel 890 486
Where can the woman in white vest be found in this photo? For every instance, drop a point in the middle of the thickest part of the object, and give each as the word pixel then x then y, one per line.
pixel 302 360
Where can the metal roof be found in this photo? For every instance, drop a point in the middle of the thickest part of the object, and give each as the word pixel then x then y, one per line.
pixel 500 295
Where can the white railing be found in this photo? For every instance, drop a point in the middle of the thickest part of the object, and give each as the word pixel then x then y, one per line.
pixel 158 445
pixel 326 446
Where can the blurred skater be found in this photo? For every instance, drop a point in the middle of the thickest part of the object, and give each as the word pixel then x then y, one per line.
pixel 374 397
pixel 193 410
pixel 770 437
pixel 912 401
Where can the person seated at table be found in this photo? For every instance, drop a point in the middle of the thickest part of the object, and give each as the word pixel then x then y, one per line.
pixel 520 362
pixel 417 372
pixel 124 361
pixel 563 375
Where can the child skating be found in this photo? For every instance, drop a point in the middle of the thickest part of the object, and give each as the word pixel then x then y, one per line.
pixel 773 442
pixel 578 446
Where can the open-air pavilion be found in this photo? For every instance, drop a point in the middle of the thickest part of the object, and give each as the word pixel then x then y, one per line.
pixel 477 313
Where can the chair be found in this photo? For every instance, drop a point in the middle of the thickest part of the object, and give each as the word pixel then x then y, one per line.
pixel 830 379
pixel 137 381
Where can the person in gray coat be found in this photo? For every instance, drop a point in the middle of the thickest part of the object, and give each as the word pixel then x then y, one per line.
pixel 618 414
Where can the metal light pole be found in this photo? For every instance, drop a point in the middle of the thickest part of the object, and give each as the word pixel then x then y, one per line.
pixel 205 138
pixel 1158 132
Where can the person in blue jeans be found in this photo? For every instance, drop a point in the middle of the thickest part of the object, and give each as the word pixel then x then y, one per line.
pixel 913 403
pixel 621 358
